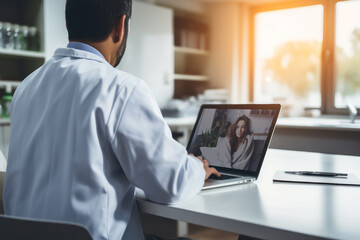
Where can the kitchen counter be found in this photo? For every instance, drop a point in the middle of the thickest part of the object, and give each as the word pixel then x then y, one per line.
pixel 322 134
pixel 324 123
pixel 295 122
pixel 320 123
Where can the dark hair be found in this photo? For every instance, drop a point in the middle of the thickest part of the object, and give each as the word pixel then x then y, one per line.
pixel 232 135
pixel 93 20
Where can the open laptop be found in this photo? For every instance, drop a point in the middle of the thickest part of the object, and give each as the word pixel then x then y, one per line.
pixel 234 140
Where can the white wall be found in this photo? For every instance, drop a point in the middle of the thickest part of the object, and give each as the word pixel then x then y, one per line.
pixel 55 33
pixel 228 65
pixel 150 50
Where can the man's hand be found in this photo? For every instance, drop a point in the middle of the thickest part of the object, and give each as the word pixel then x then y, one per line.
pixel 208 170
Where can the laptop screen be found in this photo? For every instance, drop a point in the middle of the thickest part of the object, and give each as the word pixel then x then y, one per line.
pixel 234 136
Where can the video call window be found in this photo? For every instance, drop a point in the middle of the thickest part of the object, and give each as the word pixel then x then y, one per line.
pixel 232 138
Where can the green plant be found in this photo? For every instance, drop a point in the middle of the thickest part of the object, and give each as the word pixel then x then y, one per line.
pixel 210 138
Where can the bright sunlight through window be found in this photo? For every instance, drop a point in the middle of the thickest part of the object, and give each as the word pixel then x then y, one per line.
pixel 287 67
pixel 347 54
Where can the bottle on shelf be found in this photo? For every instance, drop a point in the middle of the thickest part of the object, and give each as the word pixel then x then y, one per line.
pixel 14 36
pixel 24 37
pixel 33 39
pixel 2 35
pixel 5 105
pixel 17 37
pixel 9 36
pixel 6 100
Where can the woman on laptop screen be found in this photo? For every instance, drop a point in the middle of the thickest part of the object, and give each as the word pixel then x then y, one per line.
pixel 233 136
pixel 236 149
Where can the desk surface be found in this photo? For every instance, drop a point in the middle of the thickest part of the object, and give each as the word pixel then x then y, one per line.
pixel 269 210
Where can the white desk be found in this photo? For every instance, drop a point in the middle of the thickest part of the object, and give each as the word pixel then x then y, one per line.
pixel 277 210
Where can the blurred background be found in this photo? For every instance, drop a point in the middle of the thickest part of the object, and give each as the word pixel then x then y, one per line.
pixel 304 55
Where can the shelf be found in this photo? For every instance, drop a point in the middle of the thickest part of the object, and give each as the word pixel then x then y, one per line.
pixel 22 53
pixel 189 77
pixel 10 83
pixel 4 121
pixel 193 51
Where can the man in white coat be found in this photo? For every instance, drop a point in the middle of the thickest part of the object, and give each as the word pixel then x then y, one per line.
pixel 85 134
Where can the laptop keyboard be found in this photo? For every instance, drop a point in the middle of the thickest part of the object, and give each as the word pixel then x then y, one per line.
pixel 222 177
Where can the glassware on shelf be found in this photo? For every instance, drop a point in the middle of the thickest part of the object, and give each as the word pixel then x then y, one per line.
pixel 9 36
pixel 1 34
pixel 5 105
pixel 24 37
pixel 14 36
pixel 17 37
pixel 33 39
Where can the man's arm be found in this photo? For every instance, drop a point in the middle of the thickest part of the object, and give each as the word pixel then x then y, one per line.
pixel 151 159
pixel 208 170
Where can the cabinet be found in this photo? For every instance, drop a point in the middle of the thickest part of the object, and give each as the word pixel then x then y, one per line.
pixel 191 53
pixel 155 52
pixel 15 65
pixel 150 52
pixel 49 19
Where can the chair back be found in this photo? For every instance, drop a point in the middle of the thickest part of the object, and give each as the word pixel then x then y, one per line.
pixel 16 228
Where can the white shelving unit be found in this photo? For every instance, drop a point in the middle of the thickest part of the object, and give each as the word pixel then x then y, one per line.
pixel 49 19
pixel 8 85
pixel 190 55
pixel 193 51
pixel 188 62
pixel 15 65
pixel 22 53
pixel 189 77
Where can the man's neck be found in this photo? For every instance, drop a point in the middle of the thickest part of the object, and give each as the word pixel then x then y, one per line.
pixel 104 47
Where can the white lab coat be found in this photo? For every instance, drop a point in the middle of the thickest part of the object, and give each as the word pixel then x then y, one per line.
pixel 83 136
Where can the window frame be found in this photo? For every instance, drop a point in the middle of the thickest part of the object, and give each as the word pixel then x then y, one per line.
pixel 328 65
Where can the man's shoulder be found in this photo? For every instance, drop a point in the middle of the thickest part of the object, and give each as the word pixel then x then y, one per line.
pixel 123 79
pixel 90 64
pixel 123 75
pixel 106 73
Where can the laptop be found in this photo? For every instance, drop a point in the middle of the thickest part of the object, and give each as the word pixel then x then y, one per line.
pixel 233 139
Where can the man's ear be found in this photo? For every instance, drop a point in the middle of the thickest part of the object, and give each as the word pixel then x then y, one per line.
pixel 119 30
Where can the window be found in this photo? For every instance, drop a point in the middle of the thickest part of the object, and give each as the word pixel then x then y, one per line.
pixel 306 56
pixel 347 54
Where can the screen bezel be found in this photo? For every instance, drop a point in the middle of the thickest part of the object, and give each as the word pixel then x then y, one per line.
pixel 275 107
